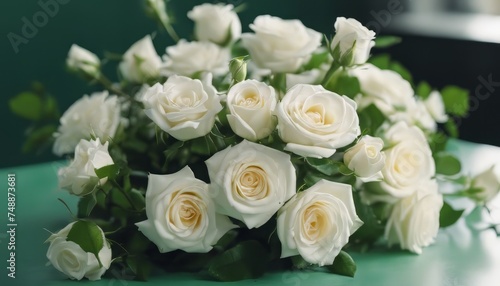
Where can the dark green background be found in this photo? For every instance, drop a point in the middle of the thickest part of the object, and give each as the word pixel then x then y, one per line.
pixel 113 25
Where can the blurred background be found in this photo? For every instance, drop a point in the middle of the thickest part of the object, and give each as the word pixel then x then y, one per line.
pixel 444 42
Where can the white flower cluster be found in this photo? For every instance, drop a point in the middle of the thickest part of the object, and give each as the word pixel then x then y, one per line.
pixel 284 116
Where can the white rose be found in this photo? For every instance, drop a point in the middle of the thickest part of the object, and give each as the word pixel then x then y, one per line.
pixel 348 31
pixel 315 121
pixel 96 115
pixel 141 62
pixel 435 105
pixel 70 259
pixel 251 105
pixel 82 60
pixel 414 220
pixel 181 214
pixel 386 89
pixel 317 222
pixel 216 23
pixel 188 58
pixel 250 182
pixel 408 161
pixel 415 113
pixel 280 45
pixel 488 183
pixel 184 108
pixel 366 158
pixel 79 178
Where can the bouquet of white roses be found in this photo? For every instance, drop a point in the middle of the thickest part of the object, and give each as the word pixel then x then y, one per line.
pixel 235 152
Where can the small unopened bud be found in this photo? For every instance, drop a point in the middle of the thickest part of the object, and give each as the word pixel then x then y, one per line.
pixel 157 10
pixel 238 69
pixel 82 61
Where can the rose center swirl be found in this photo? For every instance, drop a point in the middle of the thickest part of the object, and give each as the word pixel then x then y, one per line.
pixel 186 100
pixel 251 183
pixel 248 99
pixel 185 212
pixel 315 222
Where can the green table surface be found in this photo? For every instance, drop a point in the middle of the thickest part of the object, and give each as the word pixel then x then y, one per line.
pixel 459 257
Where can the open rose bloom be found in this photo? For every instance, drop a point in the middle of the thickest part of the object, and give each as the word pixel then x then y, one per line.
pixel 231 148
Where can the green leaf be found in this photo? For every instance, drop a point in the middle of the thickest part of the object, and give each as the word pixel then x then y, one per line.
pixel 343 265
pixel 381 61
pixel 317 60
pixel 347 85
pixel 437 142
pixel 456 100
pixel 278 81
pixel 136 145
pixel 50 108
pixel 138 198
pixel 325 166
pixel 140 266
pixel 38 138
pixel 109 171
pixel 345 171
pixel 448 215
pixel 204 146
pixel 370 119
pixel 387 41
pixel 447 164
pixel 27 105
pixel 246 260
pixel 372 228
pixel 86 205
pixel 226 240
pixel 424 90
pixel 88 236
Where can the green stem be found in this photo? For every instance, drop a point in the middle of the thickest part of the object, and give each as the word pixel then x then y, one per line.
pixel 130 201
pixel 279 83
pixel 330 74
pixel 460 194
pixel 104 81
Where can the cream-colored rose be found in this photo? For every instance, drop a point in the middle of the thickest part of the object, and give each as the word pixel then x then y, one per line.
pixel 79 178
pixel 314 122
pixel 415 114
pixel 250 182
pixel 414 220
pixel 251 105
pixel 96 115
pixel 488 182
pixel 280 45
pixel 435 105
pixel 216 23
pixel 386 89
pixel 141 62
pixel 184 108
pixel 189 58
pixel 317 222
pixel 82 60
pixel 70 259
pixel 408 161
pixel 366 158
pixel 348 32
pixel 181 214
